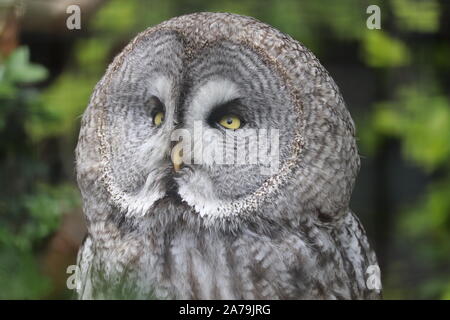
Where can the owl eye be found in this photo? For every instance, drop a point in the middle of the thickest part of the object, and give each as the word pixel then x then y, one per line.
pixel 158 118
pixel 230 122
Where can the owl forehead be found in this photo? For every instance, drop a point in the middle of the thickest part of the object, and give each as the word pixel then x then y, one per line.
pixel 170 52
pixel 171 65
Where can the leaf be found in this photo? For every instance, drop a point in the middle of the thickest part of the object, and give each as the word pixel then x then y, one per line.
pixel 19 69
pixel 381 50
pixel 419 16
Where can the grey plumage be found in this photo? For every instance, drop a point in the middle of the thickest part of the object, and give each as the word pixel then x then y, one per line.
pixel 219 231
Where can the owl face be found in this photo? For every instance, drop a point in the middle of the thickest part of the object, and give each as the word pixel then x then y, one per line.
pixel 222 115
pixel 225 110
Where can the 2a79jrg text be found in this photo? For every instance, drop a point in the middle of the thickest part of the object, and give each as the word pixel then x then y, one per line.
pixel 226 309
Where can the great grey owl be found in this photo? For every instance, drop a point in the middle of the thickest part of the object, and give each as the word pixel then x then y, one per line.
pixel 162 227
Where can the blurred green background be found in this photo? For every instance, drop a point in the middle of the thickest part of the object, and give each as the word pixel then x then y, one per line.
pixel 395 80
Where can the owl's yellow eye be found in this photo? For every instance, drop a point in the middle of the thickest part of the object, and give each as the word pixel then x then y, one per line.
pixel 158 118
pixel 230 122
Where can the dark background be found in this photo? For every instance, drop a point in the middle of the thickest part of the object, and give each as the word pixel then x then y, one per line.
pixel 395 81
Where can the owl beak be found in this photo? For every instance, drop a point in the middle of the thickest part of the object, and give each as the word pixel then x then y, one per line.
pixel 177 156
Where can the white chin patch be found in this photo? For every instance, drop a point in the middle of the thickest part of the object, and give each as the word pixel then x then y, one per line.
pixel 198 193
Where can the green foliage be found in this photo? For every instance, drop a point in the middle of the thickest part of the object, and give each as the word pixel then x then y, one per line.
pixel 416 15
pixel 38 215
pixel 421 120
pixel 431 217
pixel 66 99
pixel 116 17
pixel 18 70
pixel 20 277
pixel 381 50
pixel 29 211
pixel 418 115
pixel 64 103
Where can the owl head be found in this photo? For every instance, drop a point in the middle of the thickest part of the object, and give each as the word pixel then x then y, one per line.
pixel 220 114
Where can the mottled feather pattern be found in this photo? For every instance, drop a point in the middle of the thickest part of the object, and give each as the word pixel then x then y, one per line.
pixel 226 232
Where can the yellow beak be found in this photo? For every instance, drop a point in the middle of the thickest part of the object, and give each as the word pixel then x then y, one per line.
pixel 177 156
